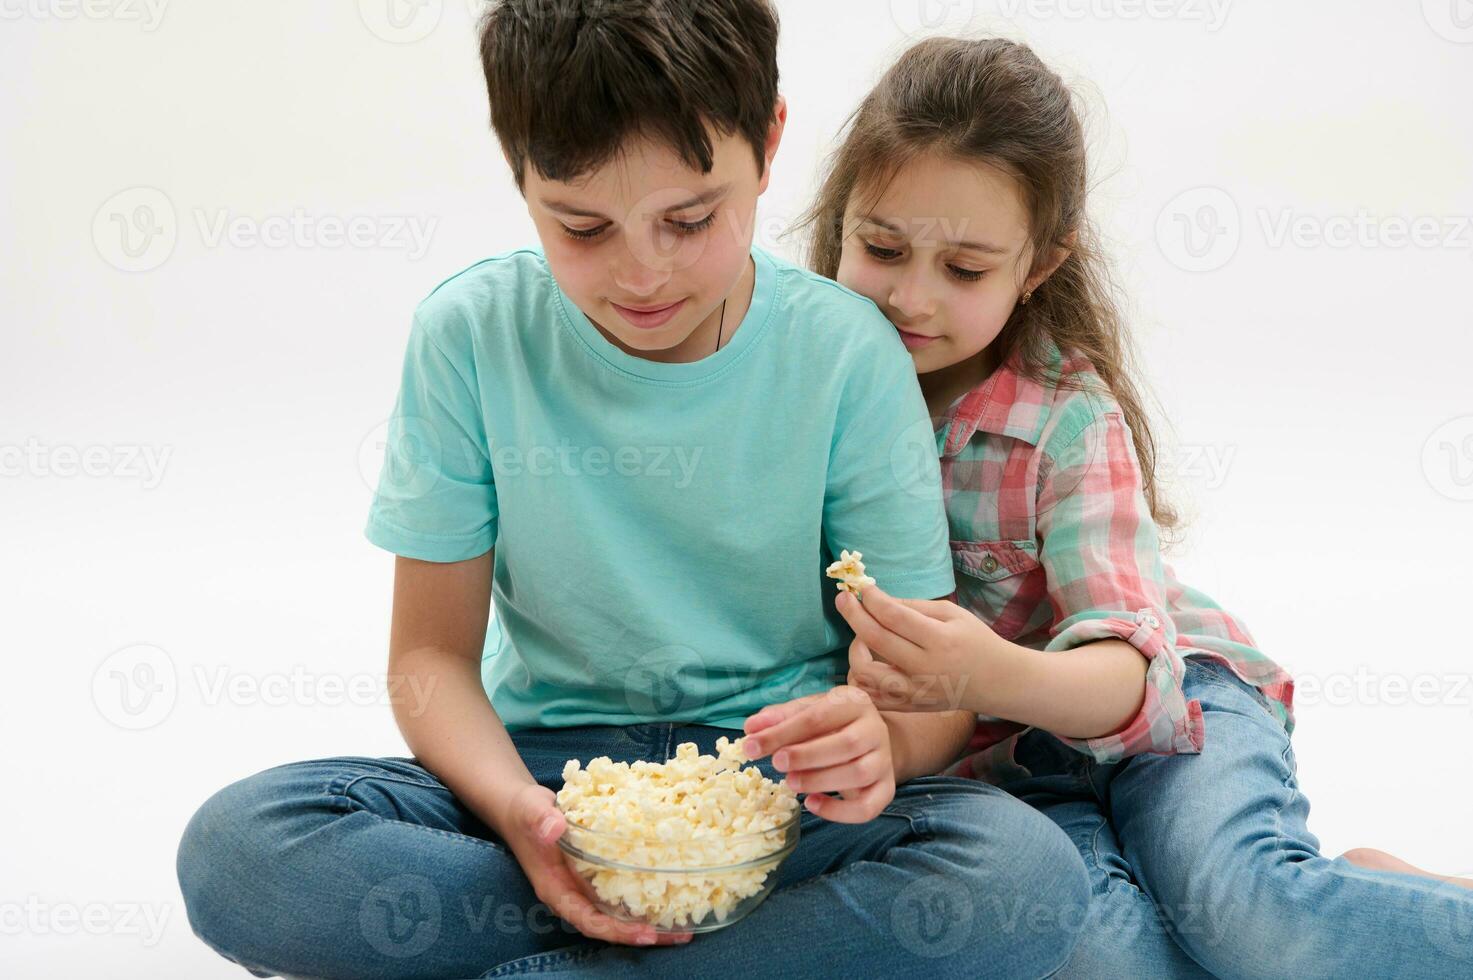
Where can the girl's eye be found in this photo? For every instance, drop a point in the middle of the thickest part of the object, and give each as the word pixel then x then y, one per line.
pixel 883 254
pixel 585 234
pixel 694 227
pixel 966 275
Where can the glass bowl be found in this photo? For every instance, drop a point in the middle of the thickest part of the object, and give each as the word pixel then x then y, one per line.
pixel 678 886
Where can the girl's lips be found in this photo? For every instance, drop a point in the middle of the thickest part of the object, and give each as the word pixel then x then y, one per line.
pixel 914 340
pixel 649 319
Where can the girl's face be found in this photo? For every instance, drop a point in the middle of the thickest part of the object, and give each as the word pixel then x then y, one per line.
pixel 943 252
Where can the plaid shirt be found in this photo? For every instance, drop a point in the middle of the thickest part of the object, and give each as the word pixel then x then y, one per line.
pixel 1054 547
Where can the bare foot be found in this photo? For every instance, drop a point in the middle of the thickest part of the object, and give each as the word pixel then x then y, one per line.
pixel 1374 860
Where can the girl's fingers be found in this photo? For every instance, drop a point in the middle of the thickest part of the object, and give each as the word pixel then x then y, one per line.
pixel 880 640
pixel 833 748
pixel 900 617
pixel 851 776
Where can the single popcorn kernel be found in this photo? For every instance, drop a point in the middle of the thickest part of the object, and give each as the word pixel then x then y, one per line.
pixel 684 820
pixel 849 570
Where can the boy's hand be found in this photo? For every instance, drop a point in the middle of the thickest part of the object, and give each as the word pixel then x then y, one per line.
pixel 834 742
pixel 532 824
pixel 920 655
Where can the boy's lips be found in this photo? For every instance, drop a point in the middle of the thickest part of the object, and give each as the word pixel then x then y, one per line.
pixel 649 317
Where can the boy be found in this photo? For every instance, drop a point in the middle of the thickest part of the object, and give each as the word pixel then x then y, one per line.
pixel 644 442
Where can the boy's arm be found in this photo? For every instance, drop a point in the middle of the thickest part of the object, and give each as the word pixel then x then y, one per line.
pixel 439 626
pixel 436 637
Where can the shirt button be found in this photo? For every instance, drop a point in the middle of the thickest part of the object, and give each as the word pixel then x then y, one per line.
pixel 1153 622
pixel 989 564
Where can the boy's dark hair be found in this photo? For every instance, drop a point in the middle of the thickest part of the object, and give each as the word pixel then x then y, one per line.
pixel 571 80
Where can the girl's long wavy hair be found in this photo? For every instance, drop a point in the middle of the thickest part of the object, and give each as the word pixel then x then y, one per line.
pixel 993 102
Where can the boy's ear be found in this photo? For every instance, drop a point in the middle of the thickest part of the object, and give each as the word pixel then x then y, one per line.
pixel 1062 252
pixel 774 137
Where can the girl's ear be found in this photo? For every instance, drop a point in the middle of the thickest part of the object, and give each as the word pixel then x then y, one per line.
pixel 1061 252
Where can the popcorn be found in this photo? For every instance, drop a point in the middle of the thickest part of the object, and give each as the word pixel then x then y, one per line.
pixel 693 812
pixel 850 572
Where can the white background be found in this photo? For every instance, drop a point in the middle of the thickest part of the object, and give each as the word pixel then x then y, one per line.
pixel 1317 387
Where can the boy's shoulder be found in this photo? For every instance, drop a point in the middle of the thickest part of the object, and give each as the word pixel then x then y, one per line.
pixel 819 309
pixel 495 289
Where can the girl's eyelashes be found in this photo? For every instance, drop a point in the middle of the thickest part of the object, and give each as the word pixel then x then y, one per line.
pixel 681 227
pixel 891 254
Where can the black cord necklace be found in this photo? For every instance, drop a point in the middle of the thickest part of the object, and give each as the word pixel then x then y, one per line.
pixel 720 326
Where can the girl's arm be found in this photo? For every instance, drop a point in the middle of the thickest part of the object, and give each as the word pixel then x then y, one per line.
pixel 925 743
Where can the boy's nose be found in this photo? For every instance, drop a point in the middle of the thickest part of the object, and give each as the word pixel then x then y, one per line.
pixel 638 279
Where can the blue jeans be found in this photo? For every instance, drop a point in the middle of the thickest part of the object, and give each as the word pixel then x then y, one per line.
pixel 363 867
pixel 1202 865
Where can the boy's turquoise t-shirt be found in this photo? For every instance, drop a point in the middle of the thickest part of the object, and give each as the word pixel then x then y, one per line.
pixel 661 530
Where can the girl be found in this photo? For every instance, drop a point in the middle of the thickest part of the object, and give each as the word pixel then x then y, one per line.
pixel 1123 704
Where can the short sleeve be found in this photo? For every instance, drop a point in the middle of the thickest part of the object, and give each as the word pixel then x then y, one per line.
pixel 436 499
pixel 883 495
pixel 1100 550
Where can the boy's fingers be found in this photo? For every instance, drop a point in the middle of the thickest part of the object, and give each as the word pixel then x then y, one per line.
pixel 859 654
pixel 774 713
pixel 835 709
pixel 858 807
pixel 881 641
pixel 831 778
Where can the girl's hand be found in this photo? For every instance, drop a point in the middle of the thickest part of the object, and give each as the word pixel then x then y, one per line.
pixel 531 826
pixel 920 655
pixel 834 742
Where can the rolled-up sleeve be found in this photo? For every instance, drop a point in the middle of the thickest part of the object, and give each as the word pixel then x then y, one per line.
pixel 1100 549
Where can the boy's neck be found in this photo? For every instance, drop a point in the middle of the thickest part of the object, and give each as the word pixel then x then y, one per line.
pixel 722 324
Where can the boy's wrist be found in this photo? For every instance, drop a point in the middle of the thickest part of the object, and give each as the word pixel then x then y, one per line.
pixel 1009 682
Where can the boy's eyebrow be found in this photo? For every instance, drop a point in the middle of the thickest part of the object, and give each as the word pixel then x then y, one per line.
pixel 894 228
pixel 705 197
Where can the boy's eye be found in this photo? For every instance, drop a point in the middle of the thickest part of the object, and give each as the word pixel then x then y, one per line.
pixel 966 275
pixel 881 253
pixel 693 227
pixel 584 234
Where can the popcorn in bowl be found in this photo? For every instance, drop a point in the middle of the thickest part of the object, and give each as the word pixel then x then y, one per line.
pixel 849 570
pixel 687 845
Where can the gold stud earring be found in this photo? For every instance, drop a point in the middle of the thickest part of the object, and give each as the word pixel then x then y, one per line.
pixel 1026 297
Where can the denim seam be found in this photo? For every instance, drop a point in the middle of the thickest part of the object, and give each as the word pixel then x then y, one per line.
pixel 542 962
pixel 355 806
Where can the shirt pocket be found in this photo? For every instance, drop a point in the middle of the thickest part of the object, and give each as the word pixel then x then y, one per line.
pixel 1001 582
